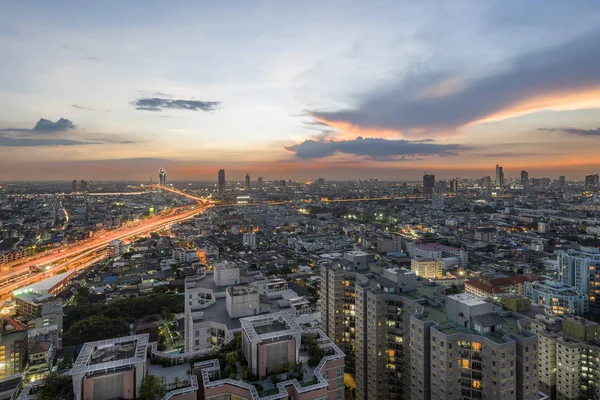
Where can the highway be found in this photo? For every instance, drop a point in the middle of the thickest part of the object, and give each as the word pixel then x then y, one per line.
pixel 19 275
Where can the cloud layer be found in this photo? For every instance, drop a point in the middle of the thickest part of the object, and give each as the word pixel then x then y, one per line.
pixel 540 79
pixel 159 104
pixel 374 148
pixel 574 131
pixel 47 133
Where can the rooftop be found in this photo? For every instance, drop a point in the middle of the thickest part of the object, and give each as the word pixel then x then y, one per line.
pixel 111 353
pixel 44 285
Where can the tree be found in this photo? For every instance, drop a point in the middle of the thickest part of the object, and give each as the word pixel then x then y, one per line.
pixel 56 387
pixel 231 357
pixel 151 388
pixel 97 327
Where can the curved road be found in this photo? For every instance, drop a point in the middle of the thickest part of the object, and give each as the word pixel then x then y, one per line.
pixel 92 245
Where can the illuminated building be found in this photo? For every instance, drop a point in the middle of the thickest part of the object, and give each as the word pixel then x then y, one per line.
pixel 499 176
pixel 581 269
pixel 591 181
pixel 429 268
pixel 464 348
pixel 162 177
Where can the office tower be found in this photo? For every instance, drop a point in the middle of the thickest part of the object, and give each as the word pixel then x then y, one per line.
pixel 162 177
pixel 454 185
pixel 221 180
pixel 260 183
pixel 464 348
pixel 437 200
pixel 499 176
pixel 247 182
pixel 525 178
pixel 282 183
pixel 581 269
pixel 74 188
pixel 569 359
pixel 428 183
pixel 487 182
pixel 83 186
pixel 591 181
pixel 561 180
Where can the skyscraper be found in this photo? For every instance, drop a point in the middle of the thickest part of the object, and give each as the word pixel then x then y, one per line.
pixel 591 181
pixel 454 185
pixel 525 178
pixel 74 189
pixel 437 200
pixel 162 177
pixel 499 176
pixel 561 180
pixel 428 183
pixel 221 180
pixel 247 182
pixel 83 186
pixel 260 182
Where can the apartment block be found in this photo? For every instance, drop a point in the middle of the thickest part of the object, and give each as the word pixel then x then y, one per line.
pixel 462 347
pixel 429 268
pixel 569 359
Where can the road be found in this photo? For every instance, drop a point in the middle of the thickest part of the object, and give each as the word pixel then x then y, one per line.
pixel 19 275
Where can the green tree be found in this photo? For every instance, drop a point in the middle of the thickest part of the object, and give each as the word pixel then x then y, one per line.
pixel 56 387
pixel 97 327
pixel 231 357
pixel 151 388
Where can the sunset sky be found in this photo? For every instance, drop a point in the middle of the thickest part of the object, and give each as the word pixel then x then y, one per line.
pixel 298 89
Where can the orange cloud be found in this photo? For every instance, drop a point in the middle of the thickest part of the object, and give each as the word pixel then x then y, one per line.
pixel 559 101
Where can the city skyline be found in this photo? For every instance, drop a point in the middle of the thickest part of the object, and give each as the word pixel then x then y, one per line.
pixel 341 91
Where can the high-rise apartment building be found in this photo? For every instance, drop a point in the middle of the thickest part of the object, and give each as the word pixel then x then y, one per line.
pixel 74 186
pixel 221 180
pixel 162 177
pixel 499 176
pixel 454 183
pixel 428 183
pixel 464 348
pixel 561 180
pixel 581 269
pixel 437 200
pixel 260 183
pixel 13 352
pixel 525 178
pixel 403 342
pixel 247 185
pixel 568 361
pixel 83 186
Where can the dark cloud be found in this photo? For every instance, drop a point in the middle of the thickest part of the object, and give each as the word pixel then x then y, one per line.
pixel 574 131
pixel 159 104
pixel 565 68
pixel 8 141
pixel 47 133
pixel 45 125
pixel 377 149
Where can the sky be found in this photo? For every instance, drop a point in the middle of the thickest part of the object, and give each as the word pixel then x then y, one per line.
pixel 344 90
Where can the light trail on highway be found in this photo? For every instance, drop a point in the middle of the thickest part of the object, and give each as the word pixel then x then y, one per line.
pixel 14 279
